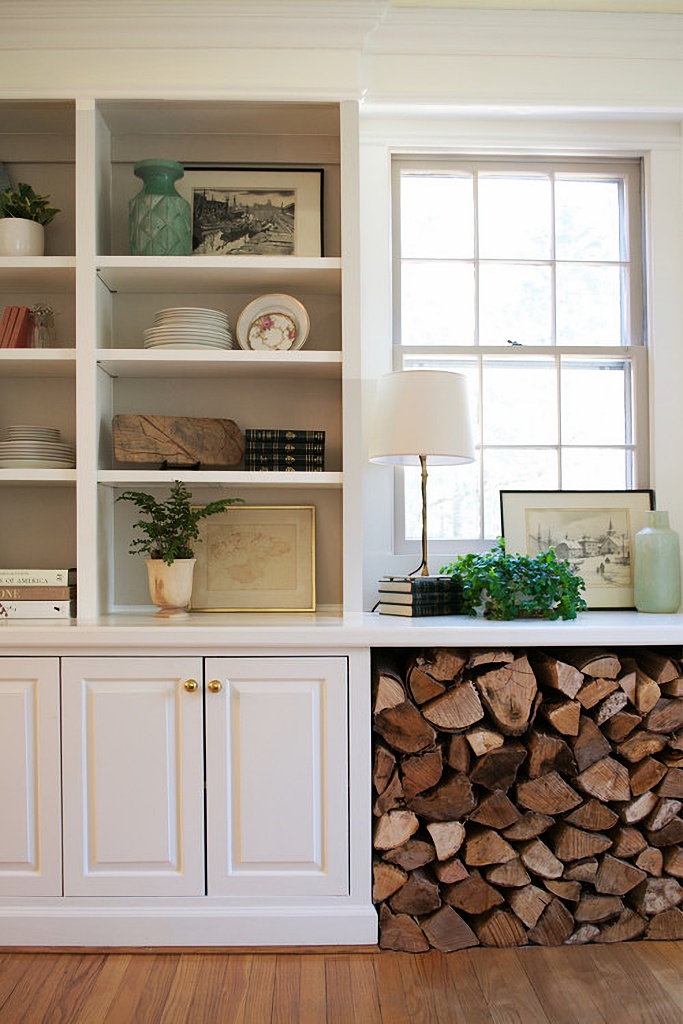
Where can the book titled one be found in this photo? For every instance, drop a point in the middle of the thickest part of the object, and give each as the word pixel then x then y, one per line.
pixel 37 577
pixel 286 462
pixel 398 597
pixel 37 593
pixel 285 447
pixel 37 609
pixel 8 325
pixel 416 610
pixel 419 584
pixel 253 434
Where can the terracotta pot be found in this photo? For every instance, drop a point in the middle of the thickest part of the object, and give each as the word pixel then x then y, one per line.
pixel 19 237
pixel 170 586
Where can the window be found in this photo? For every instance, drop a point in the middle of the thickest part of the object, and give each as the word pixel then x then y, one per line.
pixel 527 278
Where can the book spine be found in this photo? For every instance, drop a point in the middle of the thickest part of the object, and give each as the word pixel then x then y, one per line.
pixel 415 612
pixel 20 331
pixel 252 434
pixel 285 447
pixel 37 609
pixel 6 313
pixel 9 328
pixel 417 599
pixel 286 462
pixel 37 577
pixel 447 588
pixel 37 593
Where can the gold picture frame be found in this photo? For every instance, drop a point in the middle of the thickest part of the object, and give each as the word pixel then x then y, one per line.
pixel 256 558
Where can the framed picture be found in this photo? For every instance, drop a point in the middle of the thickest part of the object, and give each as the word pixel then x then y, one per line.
pixel 256 558
pixel 245 212
pixel 593 530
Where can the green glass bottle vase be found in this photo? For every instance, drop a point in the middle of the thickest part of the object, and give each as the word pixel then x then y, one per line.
pixel 160 220
pixel 657 573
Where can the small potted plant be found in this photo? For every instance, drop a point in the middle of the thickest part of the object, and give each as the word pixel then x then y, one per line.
pixel 501 586
pixel 169 530
pixel 23 217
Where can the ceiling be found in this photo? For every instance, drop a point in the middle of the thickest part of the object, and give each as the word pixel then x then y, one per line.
pixel 603 6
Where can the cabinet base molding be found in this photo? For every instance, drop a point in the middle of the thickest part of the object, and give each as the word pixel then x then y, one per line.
pixel 47 925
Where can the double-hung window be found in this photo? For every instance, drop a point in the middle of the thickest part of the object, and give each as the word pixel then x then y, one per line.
pixel 527 278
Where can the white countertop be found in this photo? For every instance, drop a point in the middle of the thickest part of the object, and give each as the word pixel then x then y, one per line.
pixel 224 632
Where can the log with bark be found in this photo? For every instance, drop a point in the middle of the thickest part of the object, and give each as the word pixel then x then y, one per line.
pixel 527 797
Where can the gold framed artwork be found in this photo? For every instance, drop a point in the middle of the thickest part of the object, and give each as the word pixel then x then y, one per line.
pixel 254 211
pixel 256 558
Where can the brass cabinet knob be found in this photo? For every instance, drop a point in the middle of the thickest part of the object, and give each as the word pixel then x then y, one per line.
pixel 215 686
pixel 191 685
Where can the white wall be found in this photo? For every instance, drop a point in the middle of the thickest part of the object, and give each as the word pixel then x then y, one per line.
pixel 563 82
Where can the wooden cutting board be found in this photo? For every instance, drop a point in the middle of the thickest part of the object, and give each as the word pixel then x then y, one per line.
pixel 180 440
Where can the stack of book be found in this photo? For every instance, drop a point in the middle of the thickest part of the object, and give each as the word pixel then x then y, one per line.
pixel 16 327
pixel 419 595
pixel 37 593
pixel 289 450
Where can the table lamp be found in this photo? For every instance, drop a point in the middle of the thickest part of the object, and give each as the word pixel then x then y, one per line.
pixel 421 417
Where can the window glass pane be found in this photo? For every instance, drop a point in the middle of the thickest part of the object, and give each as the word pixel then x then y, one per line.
pixel 595 469
pixel 452 502
pixel 530 470
pixel 587 220
pixel 519 401
pixel 514 304
pixel 437 303
pixel 595 399
pixel 588 305
pixel 437 216
pixel 514 218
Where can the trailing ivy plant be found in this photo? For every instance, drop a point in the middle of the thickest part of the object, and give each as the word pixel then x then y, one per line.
pixel 26 204
pixel 172 525
pixel 502 586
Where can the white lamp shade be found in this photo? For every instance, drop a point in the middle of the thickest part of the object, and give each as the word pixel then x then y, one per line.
pixel 421 412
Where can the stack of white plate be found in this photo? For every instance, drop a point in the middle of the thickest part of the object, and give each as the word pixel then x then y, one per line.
pixel 28 447
pixel 189 327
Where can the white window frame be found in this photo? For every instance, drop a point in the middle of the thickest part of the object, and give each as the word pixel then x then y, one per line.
pixel 633 348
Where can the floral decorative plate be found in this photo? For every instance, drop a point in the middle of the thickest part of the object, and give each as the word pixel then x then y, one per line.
pixel 273 323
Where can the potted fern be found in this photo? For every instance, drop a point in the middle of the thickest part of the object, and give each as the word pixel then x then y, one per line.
pixel 169 530
pixel 23 217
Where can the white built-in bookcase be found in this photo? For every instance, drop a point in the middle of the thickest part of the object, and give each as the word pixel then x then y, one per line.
pixel 82 153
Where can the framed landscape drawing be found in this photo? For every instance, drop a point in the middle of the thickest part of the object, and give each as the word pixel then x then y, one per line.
pixel 592 530
pixel 245 212
pixel 256 558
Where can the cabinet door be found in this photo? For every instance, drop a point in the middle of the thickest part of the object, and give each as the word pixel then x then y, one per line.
pixel 30 801
pixel 277 779
pixel 133 777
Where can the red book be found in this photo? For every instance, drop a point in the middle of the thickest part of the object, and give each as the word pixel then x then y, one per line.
pixel 9 327
pixel 3 324
pixel 21 329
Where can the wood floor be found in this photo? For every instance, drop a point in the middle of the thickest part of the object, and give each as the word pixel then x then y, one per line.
pixel 631 983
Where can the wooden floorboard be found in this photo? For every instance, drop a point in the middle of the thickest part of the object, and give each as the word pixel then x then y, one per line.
pixel 631 983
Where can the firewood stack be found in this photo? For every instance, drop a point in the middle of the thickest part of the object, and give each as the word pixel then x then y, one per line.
pixel 527 797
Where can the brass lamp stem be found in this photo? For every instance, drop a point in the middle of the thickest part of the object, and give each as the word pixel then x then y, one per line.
pixel 422 568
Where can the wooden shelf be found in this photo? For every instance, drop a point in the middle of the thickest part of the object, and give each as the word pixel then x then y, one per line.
pixel 229 363
pixel 38 362
pixel 233 478
pixel 209 274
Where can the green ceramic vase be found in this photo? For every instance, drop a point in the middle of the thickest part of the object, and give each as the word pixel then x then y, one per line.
pixel 160 220
pixel 657 576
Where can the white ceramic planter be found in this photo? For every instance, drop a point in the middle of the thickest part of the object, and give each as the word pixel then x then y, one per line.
pixel 170 586
pixel 20 237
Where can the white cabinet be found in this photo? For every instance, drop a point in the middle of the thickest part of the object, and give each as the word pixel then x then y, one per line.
pixel 30 811
pixel 277 776
pixel 133 776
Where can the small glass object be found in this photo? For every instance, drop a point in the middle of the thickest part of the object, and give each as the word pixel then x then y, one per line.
pixel 43 332
pixel 657 579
